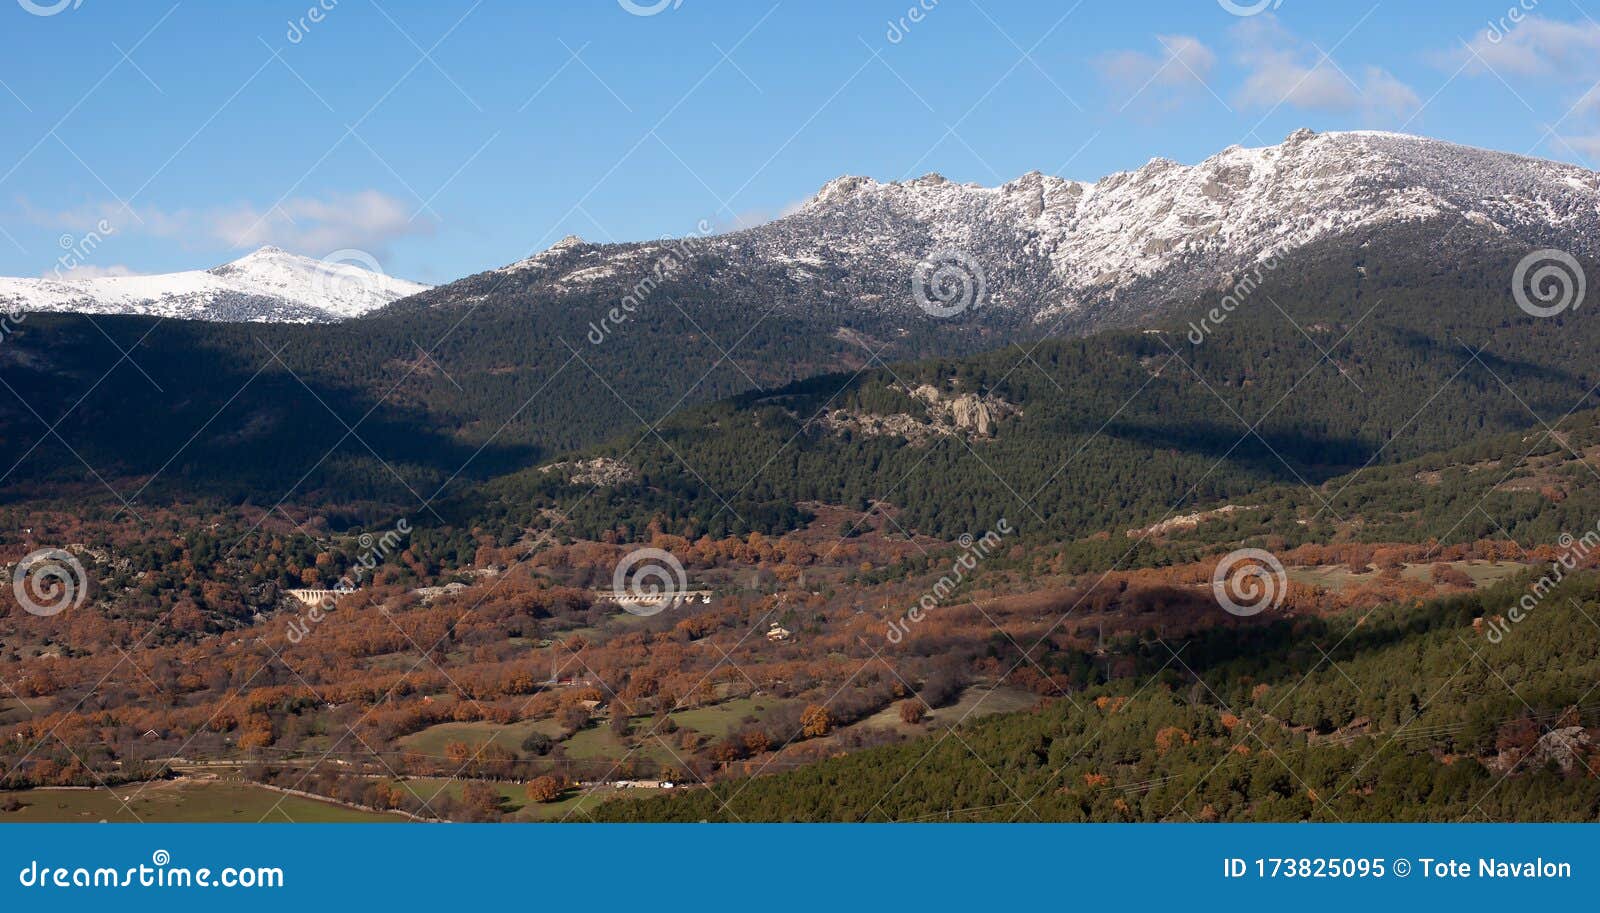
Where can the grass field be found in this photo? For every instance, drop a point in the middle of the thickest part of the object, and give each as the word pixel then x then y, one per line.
pixel 592 743
pixel 976 702
pixel 1339 577
pixel 431 741
pixel 571 807
pixel 597 742
pixel 178 801
pixel 197 801
pixel 718 720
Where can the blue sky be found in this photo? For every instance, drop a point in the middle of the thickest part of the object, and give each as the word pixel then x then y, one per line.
pixel 446 137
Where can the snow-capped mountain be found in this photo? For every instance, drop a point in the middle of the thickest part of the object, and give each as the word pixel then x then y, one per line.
pixel 1075 254
pixel 1036 254
pixel 269 285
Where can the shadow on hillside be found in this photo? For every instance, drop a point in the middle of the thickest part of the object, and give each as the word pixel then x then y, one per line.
pixel 1285 456
pixel 178 409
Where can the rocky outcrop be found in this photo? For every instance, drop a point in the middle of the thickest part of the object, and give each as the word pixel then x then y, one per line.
pixel 598 471
pixel 970 415
pixel 1186 521
pixel 965 412
pixel 1565 747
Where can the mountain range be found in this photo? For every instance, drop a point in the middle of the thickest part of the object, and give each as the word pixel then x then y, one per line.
pixel 269 285
pixel 1073 255
pixel 1039 253
pixel 587 344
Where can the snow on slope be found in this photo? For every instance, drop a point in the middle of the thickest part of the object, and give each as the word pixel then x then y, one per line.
pixel 1050 246
pixel 268 285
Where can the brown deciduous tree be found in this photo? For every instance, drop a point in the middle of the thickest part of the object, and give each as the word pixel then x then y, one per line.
pixel 481 798
pixel 544 789
pixel 815 722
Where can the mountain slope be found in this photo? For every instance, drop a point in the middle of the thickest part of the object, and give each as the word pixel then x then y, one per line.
pixel 269 285
pixel 1393 360
pixel 529 362
pixel 1073 255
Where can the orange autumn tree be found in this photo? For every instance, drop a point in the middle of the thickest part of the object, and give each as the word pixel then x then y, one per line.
pixel 815 721
pixel 543 789
pixel 1169 737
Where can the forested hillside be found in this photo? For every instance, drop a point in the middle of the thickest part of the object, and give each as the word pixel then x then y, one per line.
pixel 392 406
pixel 1329 367
pixel 482 387
pixel 1416 717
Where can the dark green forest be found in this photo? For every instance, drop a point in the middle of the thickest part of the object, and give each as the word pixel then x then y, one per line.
pixel 482 377
pixel 1343 356
pixel 1116 428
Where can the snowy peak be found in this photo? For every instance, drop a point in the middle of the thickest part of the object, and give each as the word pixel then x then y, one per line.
pixel 1069 245
pixel 269 284
pixel 1307 167
pixel 1089 253
pixel 568 242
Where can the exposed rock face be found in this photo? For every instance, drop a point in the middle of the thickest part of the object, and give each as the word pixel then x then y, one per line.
pixel 598 471
pixel 430 593
pixel 899 424
pixel 947 414
pixel 970 414
pixel 966 412
pixel 1187 521
pixel 1564 746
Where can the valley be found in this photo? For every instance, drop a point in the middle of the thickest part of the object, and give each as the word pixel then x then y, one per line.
pixel 433 559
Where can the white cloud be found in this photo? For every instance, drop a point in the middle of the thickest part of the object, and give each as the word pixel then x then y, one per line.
pixel 1184 63
pixel 750 218
pixel 1534 46
pixel 1586 146
pixel 365 220
pixel 1280 80
pixel 1583 117
pixel 1281 69
pixel 1384 94
pixel 1549 53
